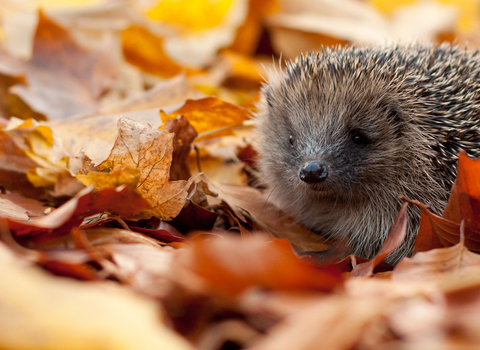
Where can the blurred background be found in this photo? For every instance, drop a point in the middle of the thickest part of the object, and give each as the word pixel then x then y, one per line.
pixel 224 45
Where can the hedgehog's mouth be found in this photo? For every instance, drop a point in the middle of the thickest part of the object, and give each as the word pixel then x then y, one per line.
pixel 319 187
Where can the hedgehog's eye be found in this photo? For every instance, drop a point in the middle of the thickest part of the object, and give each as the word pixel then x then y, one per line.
pixel 359 138
pixel 292 140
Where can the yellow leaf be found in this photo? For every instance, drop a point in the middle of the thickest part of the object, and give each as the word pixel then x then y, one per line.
pixel 388 6
pixel 113 179
pixel 193 15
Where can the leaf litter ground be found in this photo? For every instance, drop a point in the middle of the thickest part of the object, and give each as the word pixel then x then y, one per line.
pixel 105 194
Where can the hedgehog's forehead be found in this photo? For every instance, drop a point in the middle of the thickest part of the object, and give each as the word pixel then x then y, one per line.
pixel 324 89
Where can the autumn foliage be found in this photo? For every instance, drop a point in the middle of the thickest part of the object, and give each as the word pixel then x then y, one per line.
pixel 129 215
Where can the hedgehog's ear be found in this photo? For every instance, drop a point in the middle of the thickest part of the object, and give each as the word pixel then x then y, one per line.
pixel 393 112
pixel 394 115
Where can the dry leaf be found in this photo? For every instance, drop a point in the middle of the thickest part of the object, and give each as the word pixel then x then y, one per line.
pixel 146 152
pixel 429 265
pixel 62 78
pixel 184 136
pixel 169 92
pixel 208 114
pixel 120 201
pixel 229 265
pixel 15 164
pixel 95 135
pixel 145 50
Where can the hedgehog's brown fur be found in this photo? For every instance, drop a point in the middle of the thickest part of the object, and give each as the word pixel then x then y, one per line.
pixel 417 107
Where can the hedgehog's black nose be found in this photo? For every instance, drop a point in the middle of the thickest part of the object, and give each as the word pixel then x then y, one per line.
pixel 313 172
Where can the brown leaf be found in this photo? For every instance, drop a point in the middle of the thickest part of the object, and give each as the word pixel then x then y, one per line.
pixel 97 236
pixel 184 136
pixel 11 74
pixel 10 210
pixel 229 265
pixel 194 217
pixel 426 238
pixel 145 267
pixel 32 207
pixel 165 233
pixel 14 167
pixel 334 322
pixel 63 78
pixel 394 240
pixel 120 201
pixel 95 135
pixel 448 232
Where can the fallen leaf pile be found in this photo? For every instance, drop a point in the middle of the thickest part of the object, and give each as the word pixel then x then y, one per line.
pixel 129 216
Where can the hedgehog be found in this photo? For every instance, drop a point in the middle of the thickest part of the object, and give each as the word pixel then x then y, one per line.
pixel 343 133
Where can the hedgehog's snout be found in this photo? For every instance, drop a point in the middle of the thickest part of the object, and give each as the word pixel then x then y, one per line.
pixel 313 172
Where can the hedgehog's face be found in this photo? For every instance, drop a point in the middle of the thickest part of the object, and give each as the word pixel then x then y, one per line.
pixel 340 142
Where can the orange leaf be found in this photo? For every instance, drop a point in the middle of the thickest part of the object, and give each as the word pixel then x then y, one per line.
pixel 208 114
pixel 145 50
pixel 463 204
pixel 426 238
pixel 229 265
pixel 448 232
pixel 464 201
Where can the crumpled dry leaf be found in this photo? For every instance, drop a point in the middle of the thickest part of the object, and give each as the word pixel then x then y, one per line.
pixel 147 152
pixel 95 135
pixel 62 78
pixel 41 311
